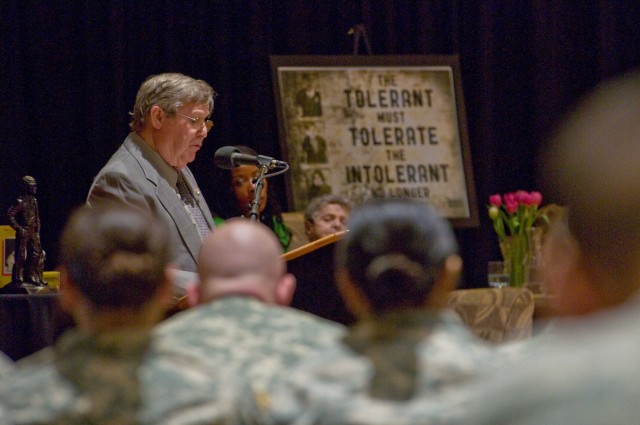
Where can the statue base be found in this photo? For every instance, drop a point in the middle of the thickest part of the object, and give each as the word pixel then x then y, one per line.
pixel 13 288
pixel 23 287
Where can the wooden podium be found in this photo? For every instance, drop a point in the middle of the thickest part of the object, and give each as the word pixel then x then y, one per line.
pixel 313 266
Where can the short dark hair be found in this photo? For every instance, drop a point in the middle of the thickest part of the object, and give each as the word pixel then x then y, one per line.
pixel 394 251
pixel 115 255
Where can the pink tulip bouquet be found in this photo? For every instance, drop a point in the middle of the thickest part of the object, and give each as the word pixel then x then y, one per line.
pixel 515 212
pixel 513 215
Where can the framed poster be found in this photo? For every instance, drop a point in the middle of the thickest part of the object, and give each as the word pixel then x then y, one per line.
pixel 7 246
pixel 375 127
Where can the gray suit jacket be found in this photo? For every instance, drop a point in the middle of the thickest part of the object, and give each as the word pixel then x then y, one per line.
pixel 138 176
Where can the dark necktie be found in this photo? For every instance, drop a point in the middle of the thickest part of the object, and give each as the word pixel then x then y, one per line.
pixel 192 207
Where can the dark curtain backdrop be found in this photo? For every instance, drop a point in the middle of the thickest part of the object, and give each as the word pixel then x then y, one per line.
pixel 70 71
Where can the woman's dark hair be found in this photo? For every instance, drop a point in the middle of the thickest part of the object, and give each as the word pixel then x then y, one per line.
pixel 226 204
pixel 115 255
pixel 394 251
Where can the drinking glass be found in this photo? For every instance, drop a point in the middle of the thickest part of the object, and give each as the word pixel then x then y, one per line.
pixel 497 275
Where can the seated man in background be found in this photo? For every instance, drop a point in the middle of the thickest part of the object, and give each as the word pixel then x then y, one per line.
pixel 326 215
pixel 114 281
pixel 587 372
pixel 395 268
pixel 243 323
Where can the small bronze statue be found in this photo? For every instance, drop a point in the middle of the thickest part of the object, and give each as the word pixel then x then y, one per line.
pixel 25 219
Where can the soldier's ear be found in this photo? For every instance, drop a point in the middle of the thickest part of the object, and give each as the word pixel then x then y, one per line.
pixel 285 288
pixel 69 297
pixel 446 282
pixel 353 297
pixel 165 290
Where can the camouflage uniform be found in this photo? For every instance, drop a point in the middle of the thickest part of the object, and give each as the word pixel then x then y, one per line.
pixel 387 372
pixel 117 378
pixel 583 372
pixel 245 335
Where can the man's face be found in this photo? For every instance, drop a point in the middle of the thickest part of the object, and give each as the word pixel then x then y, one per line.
pixel 31 188
pixel 328 220
pixel 178 140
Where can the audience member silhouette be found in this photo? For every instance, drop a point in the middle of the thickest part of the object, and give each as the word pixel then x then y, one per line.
pixel 114 280
pixel 583 370
pixel 242 322
pixel 395 268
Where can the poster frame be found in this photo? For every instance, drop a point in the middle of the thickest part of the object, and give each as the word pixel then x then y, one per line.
pixel 352 63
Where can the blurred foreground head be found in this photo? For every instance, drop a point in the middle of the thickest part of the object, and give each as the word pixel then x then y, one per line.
pixel 397 254
pixel 591 166
pixel 243 257
pixel 114 258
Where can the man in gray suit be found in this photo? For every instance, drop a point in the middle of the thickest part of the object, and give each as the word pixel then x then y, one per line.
pixel 149 171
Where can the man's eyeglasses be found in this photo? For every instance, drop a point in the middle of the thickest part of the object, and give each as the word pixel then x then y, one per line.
pixel 197 123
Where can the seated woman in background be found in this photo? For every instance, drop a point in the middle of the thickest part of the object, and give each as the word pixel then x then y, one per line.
pixel 395 268
pixel 235 190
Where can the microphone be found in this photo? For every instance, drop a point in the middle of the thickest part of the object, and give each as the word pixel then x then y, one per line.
pixel 228 157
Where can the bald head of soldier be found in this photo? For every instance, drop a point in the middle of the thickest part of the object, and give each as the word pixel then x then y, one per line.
pixel 243 257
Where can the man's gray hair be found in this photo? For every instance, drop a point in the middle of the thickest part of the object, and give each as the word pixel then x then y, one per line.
pixel 319 202
pixel 169 91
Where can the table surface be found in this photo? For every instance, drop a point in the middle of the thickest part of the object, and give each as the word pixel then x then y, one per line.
pixel 29 322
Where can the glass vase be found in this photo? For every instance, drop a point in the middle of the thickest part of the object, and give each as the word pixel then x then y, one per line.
pixel 516 254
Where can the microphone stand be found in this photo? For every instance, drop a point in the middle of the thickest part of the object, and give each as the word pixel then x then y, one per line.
pixel 255 204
